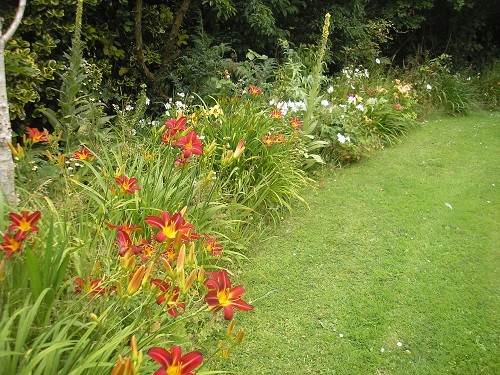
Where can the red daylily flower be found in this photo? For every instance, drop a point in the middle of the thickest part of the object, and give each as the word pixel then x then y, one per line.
pixel 169 295
pixel 35 135
pixel 222 296
pixel 254 90
pixel 125 244
pixel 191 144
pixel 175 125
pixel 24 222
pixel 89 286
pixel 181 161
pixel 212 246
pixel 296 123
pixel 83 154
pixel 276 114
pixel 13 244
pixel 173 362
pixel 169 225
pixel 127 185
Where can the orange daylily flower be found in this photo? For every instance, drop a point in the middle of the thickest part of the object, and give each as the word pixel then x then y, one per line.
pixel 35 135
pixel 13 243
pixel 170 296
pixel 221 296
pixel 172 361
pixel 127 185
pixel 89 286
pixel 83 154
pixel 276 114
pixel 212 246
pixel 296 123
pixel 24 222
pixel 254 90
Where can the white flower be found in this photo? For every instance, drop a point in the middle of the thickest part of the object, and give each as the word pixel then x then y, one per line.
pixel 167 106
pixel 399 344
pixel 148 101
pixel 324 103
pixel 133 131
pixel 181 94
pixel 351 99
pixel 128 107
pixel 341 335
pixel 329 89
pixel 377 60
pixel 342 139
pixel 360 107
pixel 382 350
pixel 371 101
pixel 428 87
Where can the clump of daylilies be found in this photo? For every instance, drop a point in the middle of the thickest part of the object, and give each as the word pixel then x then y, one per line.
pixel 161 260
pixel 177 134
pixel 21 226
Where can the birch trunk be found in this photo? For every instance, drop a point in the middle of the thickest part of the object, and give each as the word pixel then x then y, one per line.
pixel 7 185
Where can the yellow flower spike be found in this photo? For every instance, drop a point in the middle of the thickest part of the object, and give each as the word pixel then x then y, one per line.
pixel 136 281
pixel 190 280
pixel 133 347
pixel 239 336
pixel 181 258
pixel 229 332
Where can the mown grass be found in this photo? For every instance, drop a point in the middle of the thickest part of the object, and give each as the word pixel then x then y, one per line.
pixel 400 248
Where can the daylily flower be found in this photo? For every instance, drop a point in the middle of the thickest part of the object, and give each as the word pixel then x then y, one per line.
pixel 125 244
pixel 398 107
pixel 212 246
pixel 276 114
pixel 222 296
pixel 296 123
pixel 254 90
pixel 83 154
pixel 173 362
pixel 175 125
pixel 89 286
pixel 169 295
pixel 13 243
pixel 127 185
pixel 35 135
pixel 168 224
pixel 191 144
pixel 127 228
pixel 215 111
pixel 268 140
pixel 24 222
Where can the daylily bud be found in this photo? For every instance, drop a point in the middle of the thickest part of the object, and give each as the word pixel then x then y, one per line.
pixel 179 267
pixel 17 151
pixel 190 280
pixel 123 367
pixel 240 147
pixel 227 157
pixel 61 159
pixel 147 275
pixel 136 281
pixel 133 347
pixel 239 336
pixel 94 317
pixel 168 267
pixel 2 270
pixel 191 258
pixel 208 150
pixel 127 261
pixel 119 289
pixel 229 332
pixel 201 275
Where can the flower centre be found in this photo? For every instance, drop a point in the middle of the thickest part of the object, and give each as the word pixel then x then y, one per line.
pixel 24 226
pixel 223 297
pixel 175 369
pixel 169 230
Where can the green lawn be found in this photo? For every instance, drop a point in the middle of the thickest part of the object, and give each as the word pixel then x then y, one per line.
pixel 392 270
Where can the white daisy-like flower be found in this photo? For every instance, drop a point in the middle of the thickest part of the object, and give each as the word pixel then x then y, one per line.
pixel 377 60
pixel 399 344
pixel 128 107
pixel 428 86
pixel 329 89
pixel 148 101
pixel 324 103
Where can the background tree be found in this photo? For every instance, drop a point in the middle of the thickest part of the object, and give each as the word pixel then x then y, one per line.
pixel 6 163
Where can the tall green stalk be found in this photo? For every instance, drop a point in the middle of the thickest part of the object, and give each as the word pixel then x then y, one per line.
pixel 317 74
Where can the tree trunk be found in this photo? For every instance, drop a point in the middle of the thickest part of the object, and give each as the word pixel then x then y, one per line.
pixel 6 163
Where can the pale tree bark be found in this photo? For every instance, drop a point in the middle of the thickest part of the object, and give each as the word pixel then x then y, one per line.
pixel 7 185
